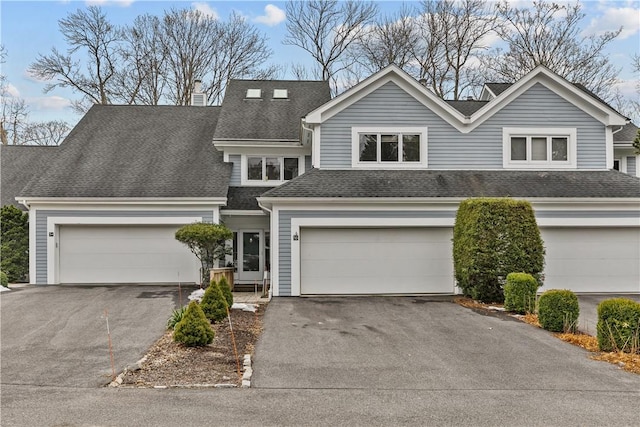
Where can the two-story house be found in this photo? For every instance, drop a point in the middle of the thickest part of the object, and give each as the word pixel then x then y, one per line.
pixel 351 195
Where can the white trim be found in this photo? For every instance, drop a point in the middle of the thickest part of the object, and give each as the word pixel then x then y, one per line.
pixel 275 252
pixel 33 213
pixel 588 222
pixel 622 161
pixel 244 168
pixel 373 129
pixel 54 223
pixel 608 137
pixel 464 124
pixel 297 223
pixel 315 155
pixel 232 212
pixel 572 144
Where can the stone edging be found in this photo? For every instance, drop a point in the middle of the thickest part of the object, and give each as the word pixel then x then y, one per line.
pixel 246 376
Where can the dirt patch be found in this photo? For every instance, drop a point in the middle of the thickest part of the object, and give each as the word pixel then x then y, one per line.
pixel 171 364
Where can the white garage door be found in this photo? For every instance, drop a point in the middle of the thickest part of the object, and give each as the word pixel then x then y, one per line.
pixel 376 261
pixel 592 259
pixel 124 254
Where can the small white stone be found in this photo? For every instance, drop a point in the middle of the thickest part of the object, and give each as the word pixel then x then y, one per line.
pixel 160 386
pixel 246 384
pixel 226 378
pixel 247 374
pixel 224 385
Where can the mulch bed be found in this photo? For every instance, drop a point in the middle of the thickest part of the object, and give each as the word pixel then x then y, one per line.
pixel 170 364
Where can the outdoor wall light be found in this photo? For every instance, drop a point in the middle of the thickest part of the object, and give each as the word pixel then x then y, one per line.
pixel 296 237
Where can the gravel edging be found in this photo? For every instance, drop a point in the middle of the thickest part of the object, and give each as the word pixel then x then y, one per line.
pixel 246 377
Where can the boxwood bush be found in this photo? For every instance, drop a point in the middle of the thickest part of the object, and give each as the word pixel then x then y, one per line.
pixel 520 293
pixel 492 238
pixel 213 303
pixel 4 281
pixel 194 330
pixel 619 325
pixel 558 310
pixel 226 290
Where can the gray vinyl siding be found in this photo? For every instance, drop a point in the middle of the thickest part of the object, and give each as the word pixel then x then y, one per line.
pixel 631 165
pixel 284 233
pixel 43 215
pixel 447 147
pixel 235 170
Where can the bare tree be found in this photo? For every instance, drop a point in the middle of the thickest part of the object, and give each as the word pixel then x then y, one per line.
pixel 452 32
pixel 45 133
pixel 141 79
pixel 549 34
pixel 13 110
pixel 326 29
pixel 242 53
pixel 389 41
pixel 90 33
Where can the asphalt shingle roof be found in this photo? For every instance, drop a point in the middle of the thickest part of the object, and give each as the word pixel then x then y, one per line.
pixel 19 165
pixel 467 107
pixel 627 134
pixel 268 118
pixel 244 198
pixel 137 151
pixel 433 183
pixel 498 88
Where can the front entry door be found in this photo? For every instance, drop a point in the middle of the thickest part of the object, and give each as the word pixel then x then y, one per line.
pixel 250 255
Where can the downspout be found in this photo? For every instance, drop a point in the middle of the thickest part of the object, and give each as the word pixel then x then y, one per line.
pixel 261 206
pixel 305 127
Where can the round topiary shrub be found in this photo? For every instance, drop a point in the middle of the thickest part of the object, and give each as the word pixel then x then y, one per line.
pixel 213 303
pixel 194 330
pixel 618 326
pixel 4 281
pixel 558 310
pixel 520 293
pixel 226 291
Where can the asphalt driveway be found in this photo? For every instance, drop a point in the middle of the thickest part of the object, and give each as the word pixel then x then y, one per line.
pixel 404 343
pixel 57 335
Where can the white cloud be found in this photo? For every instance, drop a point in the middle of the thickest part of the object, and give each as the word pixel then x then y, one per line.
pixel 205 9
pixel 51 103
pixel 273 15
pixel 613 18
pixel 122 3
pixel 628 88
pixel 11 91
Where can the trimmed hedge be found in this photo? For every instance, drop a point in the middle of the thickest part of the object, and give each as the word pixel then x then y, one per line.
pixel 226 291
pixel 492 238
pixel 4 281
pixel 520 293
pixel 619 325
pixel 194 330
pixel 558 310
pixel 214 303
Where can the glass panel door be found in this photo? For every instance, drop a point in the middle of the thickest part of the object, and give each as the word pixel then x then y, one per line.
pixel 250 252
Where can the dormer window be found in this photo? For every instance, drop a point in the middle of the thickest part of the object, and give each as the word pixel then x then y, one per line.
pixel 280 94
pixel 254 93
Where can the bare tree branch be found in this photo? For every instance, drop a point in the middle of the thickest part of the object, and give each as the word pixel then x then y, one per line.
pixel 326 29
pixel 549 34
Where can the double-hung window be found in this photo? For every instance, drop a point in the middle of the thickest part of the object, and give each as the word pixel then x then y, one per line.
pixel 271 169
pixel 388 147
pixel 539 148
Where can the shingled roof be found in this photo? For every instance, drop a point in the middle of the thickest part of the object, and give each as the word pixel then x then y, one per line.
pixel 627 134
pixel 19 165
pixel 266 118
pixel 458 184
pixel 467 107
pixel 244 198
pixel 137 151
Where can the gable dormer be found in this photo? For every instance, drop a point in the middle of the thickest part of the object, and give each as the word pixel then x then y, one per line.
pixel 260 129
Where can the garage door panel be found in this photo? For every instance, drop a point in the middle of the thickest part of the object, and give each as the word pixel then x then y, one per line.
pixel 592 259
pixel 124 254
pixel 376 261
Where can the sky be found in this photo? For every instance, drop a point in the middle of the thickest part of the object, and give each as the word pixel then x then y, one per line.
pixel 29 28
